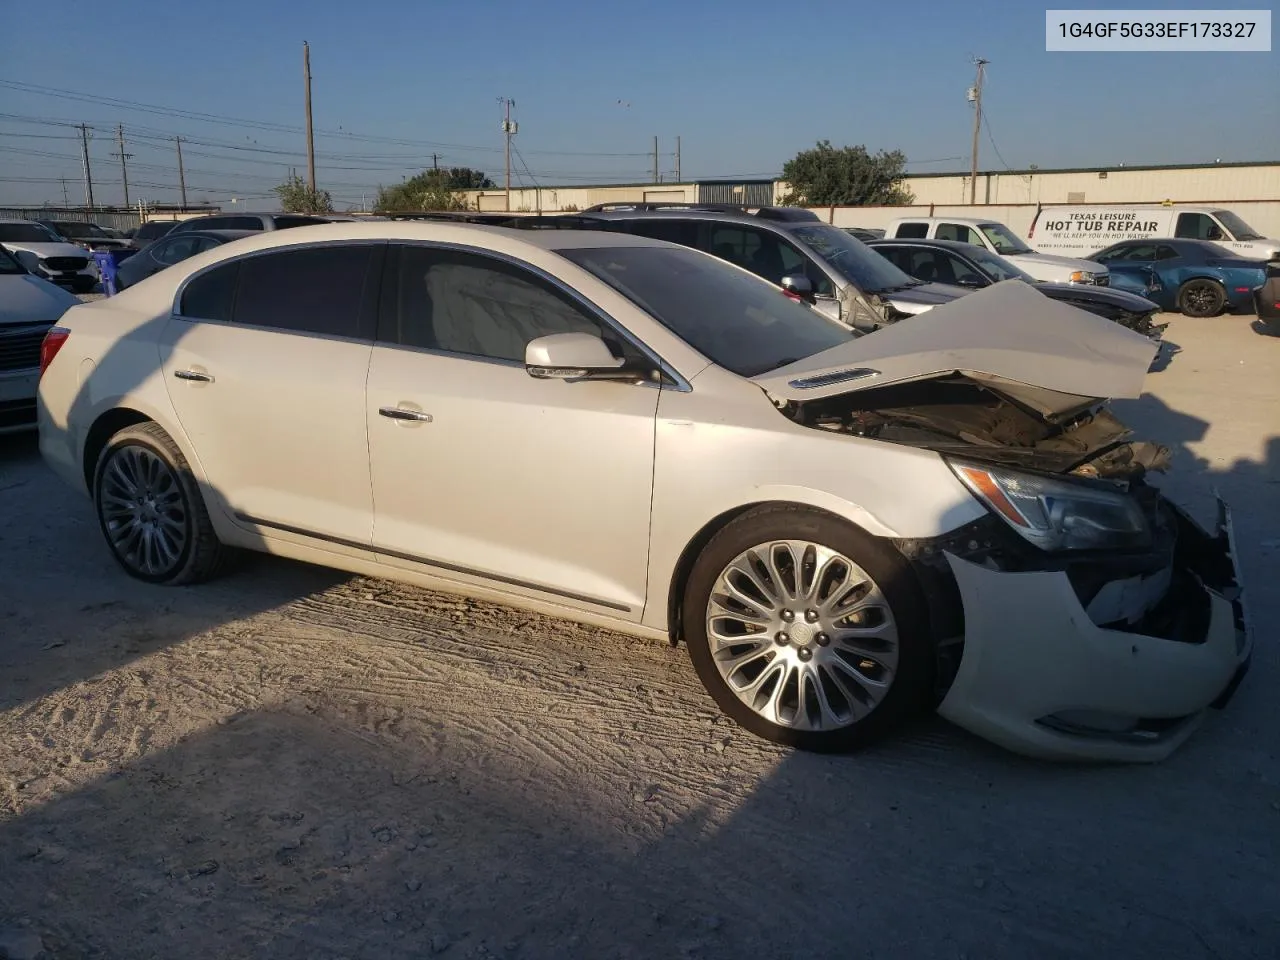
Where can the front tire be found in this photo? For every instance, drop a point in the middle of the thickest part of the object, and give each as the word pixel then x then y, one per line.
pixel 807 631
pixel 150 509
pixel 1201 298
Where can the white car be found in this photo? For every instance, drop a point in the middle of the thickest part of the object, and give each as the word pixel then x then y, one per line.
pixel 49 256
pixel 638 435
pixel 1000 240
pixel 29 306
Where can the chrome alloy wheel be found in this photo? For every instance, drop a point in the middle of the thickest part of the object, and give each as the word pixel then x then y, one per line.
pixel 144 513
pixel 802 635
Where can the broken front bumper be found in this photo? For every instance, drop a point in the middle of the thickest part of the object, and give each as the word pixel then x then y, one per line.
pixel 1039 675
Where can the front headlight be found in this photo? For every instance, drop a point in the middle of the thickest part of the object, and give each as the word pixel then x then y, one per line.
pixel 1083 276
pixel 1057 514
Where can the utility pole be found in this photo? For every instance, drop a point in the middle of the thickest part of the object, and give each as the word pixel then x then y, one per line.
pixel 124 170
pixel 88 176
pixel 311 143
pixel 65 202
pixel 435 161
pixel 677 160
pixel 656 177
pixel 975 95
pixel 509 130
pixel 182 175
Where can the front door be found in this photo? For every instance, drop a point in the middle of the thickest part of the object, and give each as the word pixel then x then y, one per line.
pixel 266 366
pixel 482 471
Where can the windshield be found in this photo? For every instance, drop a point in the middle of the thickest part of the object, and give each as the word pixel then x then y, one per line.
pixel 997 267
pixel 75 228
pixel 852 259
pixel 732 318
pixel 26 233
pixel 1239 229
pixel 1002 239
pixel 9 263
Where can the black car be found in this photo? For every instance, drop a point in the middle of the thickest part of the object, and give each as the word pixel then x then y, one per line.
pixel 968 265
pixel 172 249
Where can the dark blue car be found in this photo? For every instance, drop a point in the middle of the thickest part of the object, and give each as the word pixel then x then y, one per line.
pixel 1196 277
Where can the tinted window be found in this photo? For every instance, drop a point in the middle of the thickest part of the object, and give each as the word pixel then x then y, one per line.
pixel 996 267
pixel 221 223
pixel 1166 252
pixel 150 231
pixel 900 257
pixel 210 296
pixel 1139 252
pixel 26 233
pixel 764 253
pixel 284 223
pixel 176 248
pixel 683 232
pixel 314 290
pixel 912 231
pixel 731 318
pixel 475 305
pixel 1197 226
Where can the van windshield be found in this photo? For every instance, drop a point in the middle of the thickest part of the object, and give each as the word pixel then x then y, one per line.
pixel 1003 239
pixel 1239 229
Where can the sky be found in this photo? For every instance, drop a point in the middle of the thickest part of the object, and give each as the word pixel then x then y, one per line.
pixel 745 85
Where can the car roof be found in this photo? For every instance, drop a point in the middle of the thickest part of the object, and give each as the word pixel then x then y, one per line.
pixel 440 231
pixel 220 234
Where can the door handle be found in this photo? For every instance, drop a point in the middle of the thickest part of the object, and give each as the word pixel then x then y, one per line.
pixel 400 413
pixel 193 375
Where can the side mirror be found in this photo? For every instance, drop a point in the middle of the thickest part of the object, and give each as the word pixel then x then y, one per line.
pixel 797 287
pixel 574 356
pixel 29 260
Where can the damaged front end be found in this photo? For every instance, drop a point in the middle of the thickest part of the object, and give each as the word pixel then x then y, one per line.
pixel 1086 616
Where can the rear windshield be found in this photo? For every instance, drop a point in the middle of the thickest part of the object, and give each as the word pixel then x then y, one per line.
pixel 731 317
pixel 149 231
pixel 75 228
pixel 26 233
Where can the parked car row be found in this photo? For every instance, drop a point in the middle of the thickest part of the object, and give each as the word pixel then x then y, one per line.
pixel 840 507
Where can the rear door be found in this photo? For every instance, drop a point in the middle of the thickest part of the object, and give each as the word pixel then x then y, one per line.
pixel 266 365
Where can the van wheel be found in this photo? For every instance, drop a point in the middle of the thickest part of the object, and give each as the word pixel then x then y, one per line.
pixel 807 631
pixel 150 509
pixel 1201 298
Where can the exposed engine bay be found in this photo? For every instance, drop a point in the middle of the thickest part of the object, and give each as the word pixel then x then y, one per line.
pixel 960 416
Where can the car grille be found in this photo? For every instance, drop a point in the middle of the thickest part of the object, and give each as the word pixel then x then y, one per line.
pixel 20 346
pixel 64 264
pixel 15 414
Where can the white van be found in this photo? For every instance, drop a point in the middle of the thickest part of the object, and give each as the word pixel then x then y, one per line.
pixel 1002 241
pixel 1086 230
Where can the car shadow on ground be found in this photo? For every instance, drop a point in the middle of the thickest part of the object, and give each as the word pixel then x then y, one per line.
pixel 314 827
pixel 1265 329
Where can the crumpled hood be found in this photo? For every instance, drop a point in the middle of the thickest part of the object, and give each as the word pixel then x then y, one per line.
pixel 28 299
pixel 1009 336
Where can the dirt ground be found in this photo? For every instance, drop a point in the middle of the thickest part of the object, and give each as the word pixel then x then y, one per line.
pixel 293 763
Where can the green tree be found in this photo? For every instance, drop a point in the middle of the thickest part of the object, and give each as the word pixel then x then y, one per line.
pixel 845 176
pixel 432 190
pixel 296 197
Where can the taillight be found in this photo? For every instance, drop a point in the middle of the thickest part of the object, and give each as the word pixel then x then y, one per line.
pixel 52 343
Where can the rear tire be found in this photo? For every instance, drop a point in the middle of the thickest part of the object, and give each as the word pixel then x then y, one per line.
pixel 151 512
pixel 1201 298
pixel 834 655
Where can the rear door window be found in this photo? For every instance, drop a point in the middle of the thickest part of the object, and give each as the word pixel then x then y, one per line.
pixel 329 290
pixel 284 223
pixel 211 295
pixel 912 231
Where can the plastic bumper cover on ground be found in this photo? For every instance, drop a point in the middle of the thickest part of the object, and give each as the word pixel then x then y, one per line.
pixel 1033 656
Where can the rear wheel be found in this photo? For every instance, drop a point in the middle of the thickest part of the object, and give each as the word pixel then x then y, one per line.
pixel 150 509
pixel 807 631
pixel 1201 298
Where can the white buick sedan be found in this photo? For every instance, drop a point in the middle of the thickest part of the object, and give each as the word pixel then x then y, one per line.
pixel 843 530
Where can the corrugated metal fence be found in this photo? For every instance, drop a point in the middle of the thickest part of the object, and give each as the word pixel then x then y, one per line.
pixel 112 221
